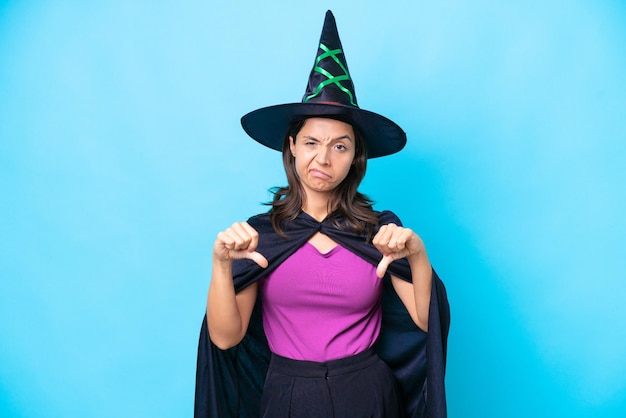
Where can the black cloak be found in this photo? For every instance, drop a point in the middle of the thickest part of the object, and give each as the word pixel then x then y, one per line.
pixel 229 382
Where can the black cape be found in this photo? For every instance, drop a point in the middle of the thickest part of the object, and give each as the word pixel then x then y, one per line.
pixel 229 382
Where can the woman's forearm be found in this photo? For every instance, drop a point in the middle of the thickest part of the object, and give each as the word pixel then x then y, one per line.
pixel 228 313
pixel 422 277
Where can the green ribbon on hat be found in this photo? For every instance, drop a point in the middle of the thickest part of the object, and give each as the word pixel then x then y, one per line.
pixel 332 79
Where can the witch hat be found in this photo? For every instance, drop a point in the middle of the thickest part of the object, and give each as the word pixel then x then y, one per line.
pixel 329 93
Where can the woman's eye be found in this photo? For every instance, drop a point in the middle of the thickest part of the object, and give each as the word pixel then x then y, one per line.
pixel 341 147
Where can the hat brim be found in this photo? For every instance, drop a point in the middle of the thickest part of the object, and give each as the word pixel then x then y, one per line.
pixel 268 125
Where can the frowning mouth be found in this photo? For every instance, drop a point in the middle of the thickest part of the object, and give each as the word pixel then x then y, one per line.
pixel 319 174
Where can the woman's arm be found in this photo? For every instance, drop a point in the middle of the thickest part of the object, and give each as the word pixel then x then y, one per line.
pixel 396 242
pixel 228 313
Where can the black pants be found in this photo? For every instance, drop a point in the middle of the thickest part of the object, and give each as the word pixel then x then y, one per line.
pixel 359 386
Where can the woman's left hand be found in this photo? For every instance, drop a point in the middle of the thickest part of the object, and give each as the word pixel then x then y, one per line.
pixel 395 242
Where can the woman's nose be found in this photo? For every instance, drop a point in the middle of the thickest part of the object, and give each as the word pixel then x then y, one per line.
pixel 322 156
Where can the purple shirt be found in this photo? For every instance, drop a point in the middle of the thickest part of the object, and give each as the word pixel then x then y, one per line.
pixel 321 307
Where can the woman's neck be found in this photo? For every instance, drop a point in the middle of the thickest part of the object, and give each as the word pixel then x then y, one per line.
pixel 316 207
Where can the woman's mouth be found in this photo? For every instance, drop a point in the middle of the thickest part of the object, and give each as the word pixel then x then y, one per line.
pixel 319 174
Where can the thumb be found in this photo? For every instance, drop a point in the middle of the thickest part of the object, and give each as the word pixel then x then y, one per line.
pixel 381 269
pixel 258 258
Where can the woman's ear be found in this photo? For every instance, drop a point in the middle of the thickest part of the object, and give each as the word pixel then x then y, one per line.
pixel 292 145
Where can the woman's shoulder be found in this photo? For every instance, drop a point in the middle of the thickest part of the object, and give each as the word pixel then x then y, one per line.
pixel 260 220
pixel 388 217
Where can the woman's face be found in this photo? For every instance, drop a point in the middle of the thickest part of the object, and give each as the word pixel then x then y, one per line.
pixel 324 150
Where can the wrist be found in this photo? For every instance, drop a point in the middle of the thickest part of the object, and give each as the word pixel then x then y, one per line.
pixel 417 258
pixel 221 263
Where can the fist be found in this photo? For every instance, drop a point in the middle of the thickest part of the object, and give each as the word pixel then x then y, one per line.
pixel 237 242
pixel 395 242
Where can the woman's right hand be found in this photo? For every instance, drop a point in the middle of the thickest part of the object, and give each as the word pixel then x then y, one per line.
pixel 238 241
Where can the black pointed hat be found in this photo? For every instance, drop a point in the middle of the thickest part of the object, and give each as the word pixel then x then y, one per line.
pixel 329 93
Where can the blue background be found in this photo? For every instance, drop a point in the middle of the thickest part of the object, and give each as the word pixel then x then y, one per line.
pixel 121 157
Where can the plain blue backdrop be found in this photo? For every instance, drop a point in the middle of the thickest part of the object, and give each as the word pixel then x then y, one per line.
pixel 122 156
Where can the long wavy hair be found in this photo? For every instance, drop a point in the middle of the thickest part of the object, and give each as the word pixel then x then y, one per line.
pixel 355 208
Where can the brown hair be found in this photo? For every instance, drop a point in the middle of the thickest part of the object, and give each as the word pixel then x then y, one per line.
pixel 354 207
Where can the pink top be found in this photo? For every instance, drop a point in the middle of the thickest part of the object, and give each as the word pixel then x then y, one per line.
pixel 321 307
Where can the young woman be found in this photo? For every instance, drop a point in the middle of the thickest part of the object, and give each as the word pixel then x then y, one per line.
pixel 296 320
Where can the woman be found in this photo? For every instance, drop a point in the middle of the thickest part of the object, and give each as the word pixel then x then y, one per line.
pixel 314 269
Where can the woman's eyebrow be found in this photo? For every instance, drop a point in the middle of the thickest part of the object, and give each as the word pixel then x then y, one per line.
pixel 346 136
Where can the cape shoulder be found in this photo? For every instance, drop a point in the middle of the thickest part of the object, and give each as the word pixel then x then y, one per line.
pixel 388 217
